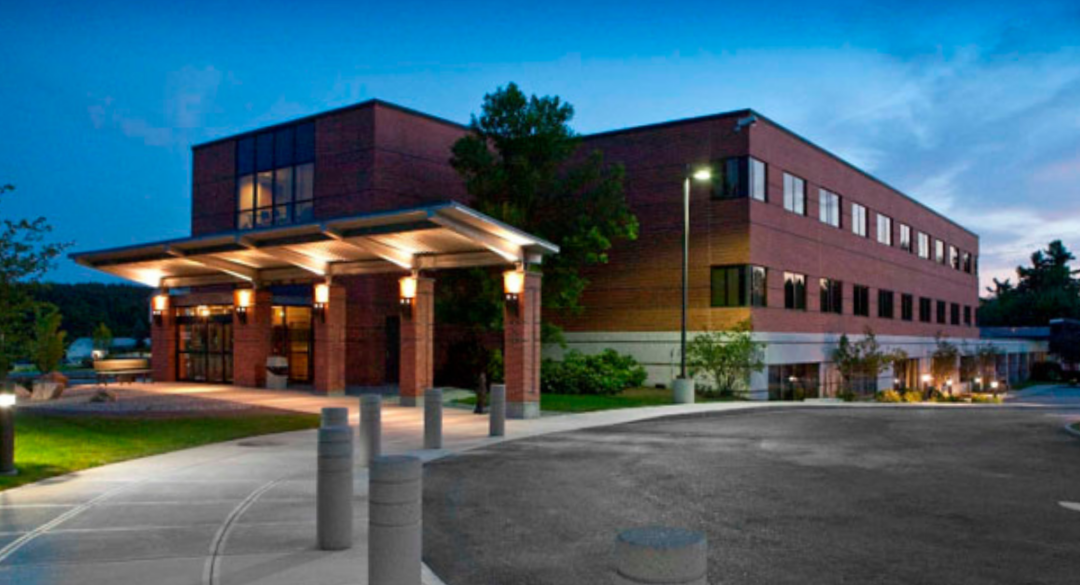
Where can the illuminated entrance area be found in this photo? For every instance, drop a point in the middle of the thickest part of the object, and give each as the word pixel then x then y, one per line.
pixel 293 339
pixel 204 343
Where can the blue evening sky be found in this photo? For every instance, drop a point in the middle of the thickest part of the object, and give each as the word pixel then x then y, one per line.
pixel 973 108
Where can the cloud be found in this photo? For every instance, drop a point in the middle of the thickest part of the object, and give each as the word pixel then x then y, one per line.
pixel 190 94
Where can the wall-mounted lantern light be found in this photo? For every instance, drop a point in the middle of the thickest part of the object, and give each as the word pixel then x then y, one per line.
pixel 513 286
pixel 244 300
pixel 158 305
pixel 407 295
pixel 202 311
pixel 994 385
pixel 7 434
pixel 322 298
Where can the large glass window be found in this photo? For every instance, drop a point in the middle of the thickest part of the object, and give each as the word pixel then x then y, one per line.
pixel 832 296
pixel 954 313
pixel 967 315
pixel 858 220
pixel 794 194
pixel 275 177
pixel 861 300
pixel 941 312
pixel 794 381
pixel 954 258
pixel 965 259
pixel 739 177
pixel 939 251
pixel 885 304
pixel 738 286
pixel 884 229
pixel 905 238
pixel 795 291
pixel 907 309
pixel 925 309
pixel 757 180
pixel 924 246
pixel 829 207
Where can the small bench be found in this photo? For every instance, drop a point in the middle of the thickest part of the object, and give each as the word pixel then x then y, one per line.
pixel 122 370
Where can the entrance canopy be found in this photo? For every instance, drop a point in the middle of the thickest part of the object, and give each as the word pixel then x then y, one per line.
pixel 445 235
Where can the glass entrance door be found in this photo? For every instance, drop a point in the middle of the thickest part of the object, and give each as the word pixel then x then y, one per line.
pixel 204 344
pixel 293 338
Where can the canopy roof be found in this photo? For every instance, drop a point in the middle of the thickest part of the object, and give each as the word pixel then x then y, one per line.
pixel 445 235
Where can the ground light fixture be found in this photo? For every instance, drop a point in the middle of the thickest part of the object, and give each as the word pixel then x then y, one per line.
pixel 244 298
pixel 158 306
pixel 513 287
pixel 683 387
pixel 7 434
pixel 407 295
pixel 322 299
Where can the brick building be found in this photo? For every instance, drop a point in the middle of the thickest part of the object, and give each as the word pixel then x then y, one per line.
pixel 302 233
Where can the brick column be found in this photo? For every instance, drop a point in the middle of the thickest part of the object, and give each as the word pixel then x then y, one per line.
pixel 330 344
pixel 163 346
pixel 252 340
pixel 521 352
pixel 417 357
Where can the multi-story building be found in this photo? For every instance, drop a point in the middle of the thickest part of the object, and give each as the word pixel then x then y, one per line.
pixel 785 234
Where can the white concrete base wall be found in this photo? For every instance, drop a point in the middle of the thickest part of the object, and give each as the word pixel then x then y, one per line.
pixel 658 351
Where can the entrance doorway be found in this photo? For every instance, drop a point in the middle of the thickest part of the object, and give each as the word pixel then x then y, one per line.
pixel 204 343
pixel 293 338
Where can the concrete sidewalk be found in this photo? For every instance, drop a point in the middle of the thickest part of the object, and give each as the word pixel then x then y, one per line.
pixel 241 512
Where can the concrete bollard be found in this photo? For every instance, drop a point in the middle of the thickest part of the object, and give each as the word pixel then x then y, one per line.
pixel 497 415
pixel 657 554
pixel 433 418
pixel 370 430
pixel 394 517
pixel 334 489
pixel 335 417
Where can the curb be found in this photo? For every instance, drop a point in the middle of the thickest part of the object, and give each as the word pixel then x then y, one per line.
pixel 1068 428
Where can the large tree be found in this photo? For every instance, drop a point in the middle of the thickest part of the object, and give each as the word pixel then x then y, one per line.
pixel 25 256
pixel 1048 289
pixel 522 163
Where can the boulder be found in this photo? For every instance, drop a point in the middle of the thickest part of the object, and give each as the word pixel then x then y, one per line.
pixel 56 377
pixel 45 390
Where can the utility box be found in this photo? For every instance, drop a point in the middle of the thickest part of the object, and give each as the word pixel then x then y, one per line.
pixel 277 372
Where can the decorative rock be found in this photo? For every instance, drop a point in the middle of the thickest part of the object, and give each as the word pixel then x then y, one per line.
pixel 658 554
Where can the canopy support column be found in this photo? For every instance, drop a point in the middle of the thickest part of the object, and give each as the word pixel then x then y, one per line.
pixel 330 344
pixel 252 338
pixel 417 355
pixel 521 350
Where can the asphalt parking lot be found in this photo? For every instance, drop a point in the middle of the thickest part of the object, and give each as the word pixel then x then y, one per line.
pixel 822 495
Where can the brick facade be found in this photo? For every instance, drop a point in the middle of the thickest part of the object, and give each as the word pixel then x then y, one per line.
pixel 521 351
pixel 252 341
pixel 417 332
pixel 330 343
pixel 163 341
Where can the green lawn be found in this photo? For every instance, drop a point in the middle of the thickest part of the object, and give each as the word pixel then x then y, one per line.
pixel 54 445
pixel 630 398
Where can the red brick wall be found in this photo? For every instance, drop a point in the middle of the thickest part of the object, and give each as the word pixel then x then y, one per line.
pixel 213 188
pixel 329 348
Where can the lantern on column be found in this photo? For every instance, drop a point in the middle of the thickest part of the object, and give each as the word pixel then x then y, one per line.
pixel 513 286
pixel 244 298
pixel 322 298
pixel 158 306
pixel 407 295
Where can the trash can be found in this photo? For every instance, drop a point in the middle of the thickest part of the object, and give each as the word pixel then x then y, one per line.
pixel 277 372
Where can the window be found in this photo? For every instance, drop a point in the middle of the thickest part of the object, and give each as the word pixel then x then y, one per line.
pixel 907 309
pixel 905 238
pixel 924 309
pixel 924 246
pixel 858 220
pixel 884 229
pixel 829 207
pixel 967 315
pixel 795 291
pixel 885 304
pixel 954 258
pixel 965 260
pixel 740 177
pixel 794 194
pixel 861 300
pixel 954 314
pixel 941 312
pixel 275 177
pixel 832 296
pixel 939 251
pixel 738 286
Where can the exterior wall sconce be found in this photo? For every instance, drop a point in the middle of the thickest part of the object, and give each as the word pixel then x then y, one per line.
pixel 202 311
pixel 158 306
pixel 7 434
pixel 994 385
pixel 244 298
pixel 322 298
pixel 513 286
pixel 407 295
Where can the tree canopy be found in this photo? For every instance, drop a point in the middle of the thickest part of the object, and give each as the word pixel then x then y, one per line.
pixel 1048 289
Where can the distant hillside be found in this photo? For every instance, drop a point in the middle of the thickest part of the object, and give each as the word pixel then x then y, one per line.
pixel 123 307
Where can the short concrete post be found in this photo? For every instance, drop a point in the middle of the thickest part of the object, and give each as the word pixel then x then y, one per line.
pixel 433 418
pixel 657 554
pixel 394 516
pixel 497 414
pixel 334 489
pixel 370 445
pixel 335 417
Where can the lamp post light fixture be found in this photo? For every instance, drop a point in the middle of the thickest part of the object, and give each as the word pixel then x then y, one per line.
pixel 407 295
pixel 244 298
pixel 513 287
pixel 926 379
pixel 683 387
pixel 994 386
pixel 158 306
pixel 978 384
pixel 7 434
pixel 321 299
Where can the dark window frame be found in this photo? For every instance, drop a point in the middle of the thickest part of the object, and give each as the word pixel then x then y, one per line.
pixel 907 307
pixel 296 206
pixel 798 208
pixel 886 304
pixel 831 295
pixel 926 310
pixel 748 295
pixel 860 300
pixel 794 291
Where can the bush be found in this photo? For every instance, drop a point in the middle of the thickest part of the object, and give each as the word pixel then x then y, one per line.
pixel 912 396
pixel 605 373
pixel 985 399
pixel 1046 371
pixel 888 396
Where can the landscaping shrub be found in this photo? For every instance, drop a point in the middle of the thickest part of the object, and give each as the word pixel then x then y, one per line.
pixel 888 396
pixel 912 396
pixel 985 399
pixel 605 373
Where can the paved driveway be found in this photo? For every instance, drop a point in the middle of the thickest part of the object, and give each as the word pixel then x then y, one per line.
pixel 842 495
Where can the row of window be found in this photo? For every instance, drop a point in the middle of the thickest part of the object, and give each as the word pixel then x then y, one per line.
pixel 275 177
pixel 745 176
pixel 745 286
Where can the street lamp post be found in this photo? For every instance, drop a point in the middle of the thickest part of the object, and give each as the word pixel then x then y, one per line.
pixel 7 434
pixel 683 386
